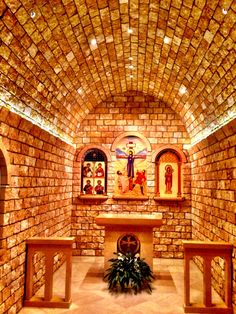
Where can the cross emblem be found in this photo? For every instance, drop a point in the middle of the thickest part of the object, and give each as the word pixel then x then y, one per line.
pixel 128 243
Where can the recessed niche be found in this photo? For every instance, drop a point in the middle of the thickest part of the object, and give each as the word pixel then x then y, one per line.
pixel 169 181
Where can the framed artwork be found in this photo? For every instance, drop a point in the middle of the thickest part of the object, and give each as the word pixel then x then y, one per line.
pixel 169 182
pixel 131 168
pixel 94 173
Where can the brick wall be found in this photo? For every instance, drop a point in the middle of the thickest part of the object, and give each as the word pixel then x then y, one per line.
pixel 37 201
pixel 213 163
pixel 132 112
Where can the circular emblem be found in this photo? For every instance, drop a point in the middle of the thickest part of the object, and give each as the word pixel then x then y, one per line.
pixel 128 243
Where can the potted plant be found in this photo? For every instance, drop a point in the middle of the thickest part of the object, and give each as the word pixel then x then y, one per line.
pixel 128 271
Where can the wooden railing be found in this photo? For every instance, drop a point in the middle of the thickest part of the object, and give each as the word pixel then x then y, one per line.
pixel 49 247
pixel 208 250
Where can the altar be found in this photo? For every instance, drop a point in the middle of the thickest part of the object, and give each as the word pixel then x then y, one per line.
pixel 129 232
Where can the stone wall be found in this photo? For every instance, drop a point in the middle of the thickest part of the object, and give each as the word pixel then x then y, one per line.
pixel 133 113
pixel 37 201
pixel 213 163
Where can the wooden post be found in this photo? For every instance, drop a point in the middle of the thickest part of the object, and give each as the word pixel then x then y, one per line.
pixel 207 282
pixel 186 281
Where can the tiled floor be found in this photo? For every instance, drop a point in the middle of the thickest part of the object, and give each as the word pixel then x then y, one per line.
pixel 91 296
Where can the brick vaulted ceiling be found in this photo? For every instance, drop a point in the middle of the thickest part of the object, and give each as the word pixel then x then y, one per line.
pixel 53 74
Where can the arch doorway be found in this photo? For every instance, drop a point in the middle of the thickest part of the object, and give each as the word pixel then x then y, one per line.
pixel 4 181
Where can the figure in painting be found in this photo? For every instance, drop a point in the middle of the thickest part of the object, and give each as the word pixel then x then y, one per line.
pixel 168 178
pixel 87 171
pixel 88 188
pixel 140 179
pixel 130 164
pixel 122 182
pixel 99 172
pixel 99 189
pixel 131 155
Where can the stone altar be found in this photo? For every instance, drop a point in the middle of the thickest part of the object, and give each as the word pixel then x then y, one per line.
pixel 141 226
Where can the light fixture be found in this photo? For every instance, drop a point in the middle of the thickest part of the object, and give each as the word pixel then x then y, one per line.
pixel 183 90
pixel 130 58
pixel 166 40
pixel 93 42
pixel 32 14
pixel 29 115
pixel 131 66
pixel 131 76
pixel 224 11
pixel 80 90
pixel 130 31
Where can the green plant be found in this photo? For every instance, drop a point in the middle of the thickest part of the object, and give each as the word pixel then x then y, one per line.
pixel 129 271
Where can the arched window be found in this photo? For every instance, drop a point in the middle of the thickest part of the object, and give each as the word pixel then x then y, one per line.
pixel 94 172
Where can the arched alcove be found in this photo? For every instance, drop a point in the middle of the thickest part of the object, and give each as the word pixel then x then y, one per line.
pixel 80 153
pixel 92 164
pixel 4 182
pixel 131 135
pixel 168 163
pixel 4 166
pixel 130 164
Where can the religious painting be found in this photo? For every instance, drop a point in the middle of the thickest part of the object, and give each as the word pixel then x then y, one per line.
pixel 130 167
pixel 169 182
pixel 93 174
pixel 168 175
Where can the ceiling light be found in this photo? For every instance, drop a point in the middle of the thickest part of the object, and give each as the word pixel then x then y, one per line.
pixel 224 11
pixel 131 66
pixel 130 58
pixel 183 90
pixel 32 14
pixel 93 42
pixel 166 40
pixel 80 90
pixel 131 76
pixel 130 31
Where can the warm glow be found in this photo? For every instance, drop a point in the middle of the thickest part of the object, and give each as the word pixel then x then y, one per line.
pixel 213 127
pixel 93 42
pixel 29 114
pixel 182 89
pixel 166 40
pixel 130 31
pixel 32 14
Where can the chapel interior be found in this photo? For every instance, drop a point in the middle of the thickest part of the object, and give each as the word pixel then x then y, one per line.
pixel 143 93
